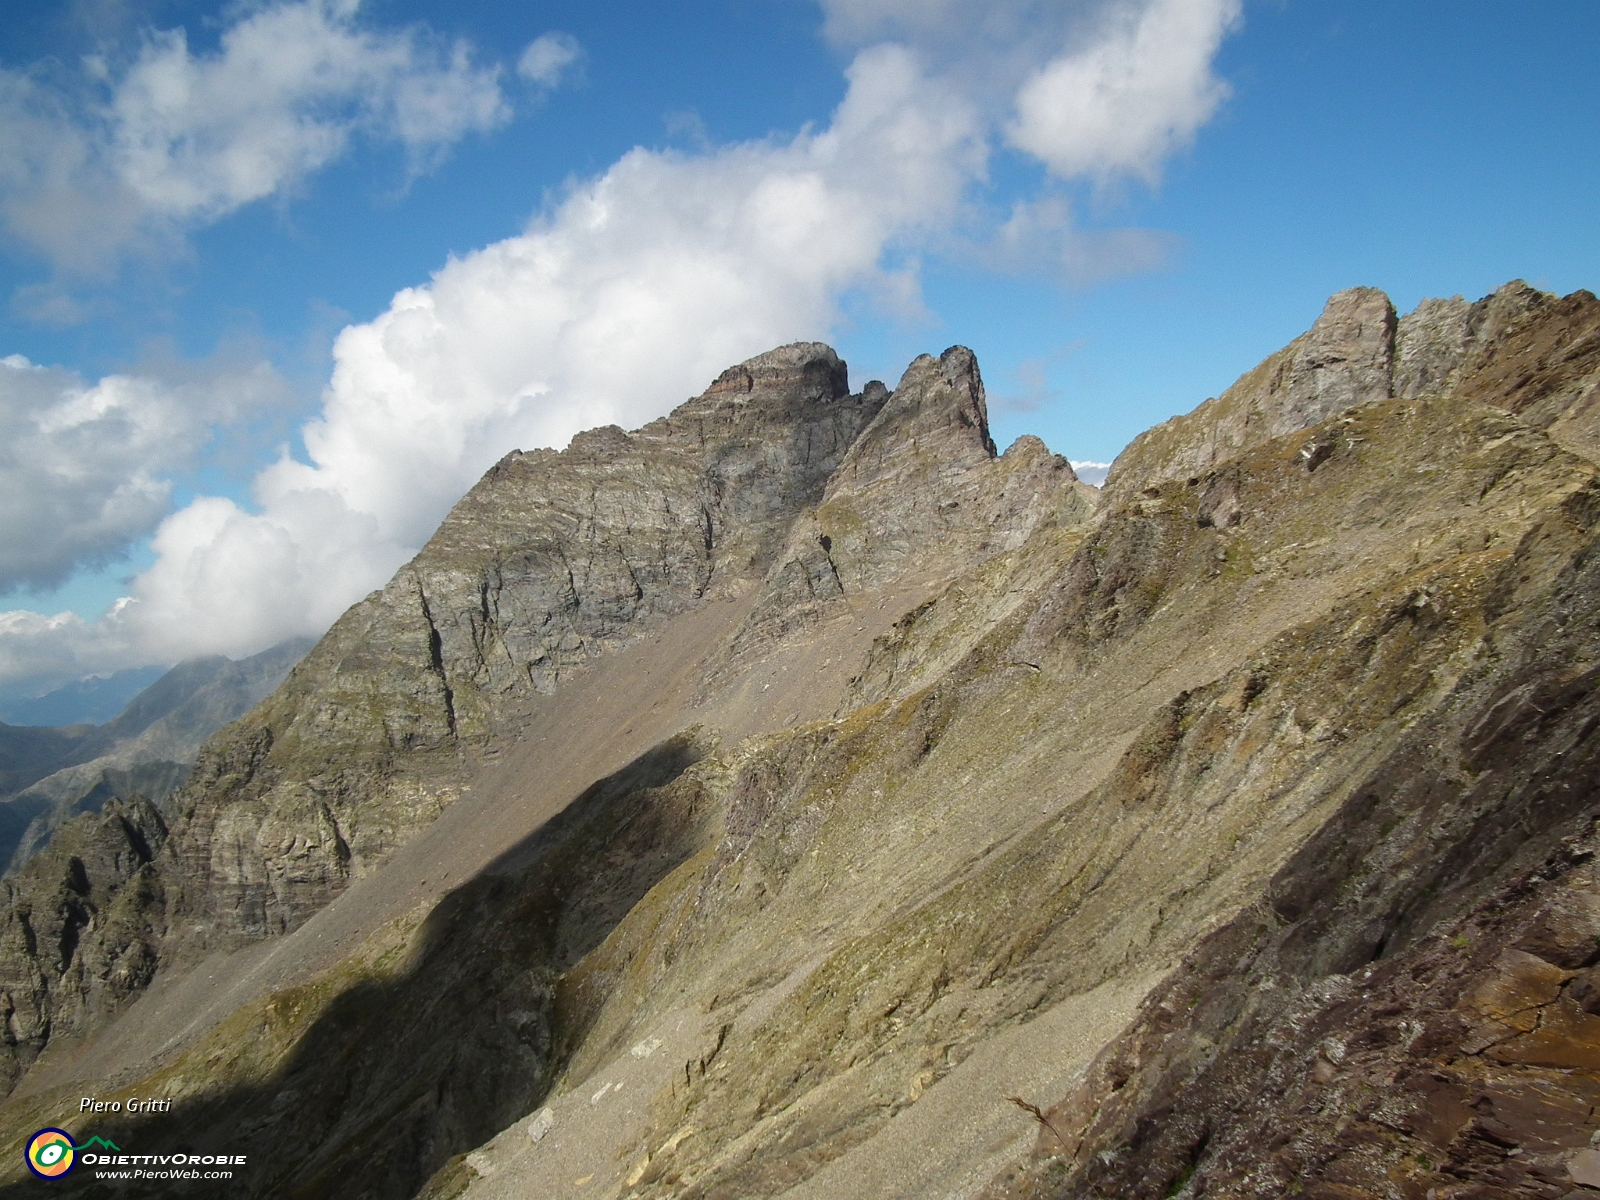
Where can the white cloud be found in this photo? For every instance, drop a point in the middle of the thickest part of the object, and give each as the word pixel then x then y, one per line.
pixel 547 58
pixel 57 648
pixel 86 469
pixel 624 298
pixel 1092 473
pixel 173 138
pixel 1124 102
pixel 1093 88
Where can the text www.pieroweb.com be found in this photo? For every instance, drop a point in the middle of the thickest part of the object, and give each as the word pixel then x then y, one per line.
pixel 162 1166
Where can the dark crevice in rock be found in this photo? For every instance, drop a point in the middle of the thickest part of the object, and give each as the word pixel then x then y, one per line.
pixel 436 659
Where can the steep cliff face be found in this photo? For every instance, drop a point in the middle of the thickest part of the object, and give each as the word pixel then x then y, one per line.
pixel 549 561
pixel 1242 826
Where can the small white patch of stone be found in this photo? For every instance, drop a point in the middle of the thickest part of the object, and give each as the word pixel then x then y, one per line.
pixel 542 1123
pixel 646 1048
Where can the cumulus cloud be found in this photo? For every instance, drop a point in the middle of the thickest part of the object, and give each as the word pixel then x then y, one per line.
pixel 1094 88
pixel 548 57
pixel 170 138
pixel 1127 100
pixel 85 469
pixel 629 294
pixel 34 646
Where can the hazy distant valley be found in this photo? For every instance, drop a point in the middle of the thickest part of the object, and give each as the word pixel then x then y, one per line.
pixel 50 774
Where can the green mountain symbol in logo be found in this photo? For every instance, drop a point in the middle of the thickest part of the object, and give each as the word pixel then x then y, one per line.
pixel 99 1141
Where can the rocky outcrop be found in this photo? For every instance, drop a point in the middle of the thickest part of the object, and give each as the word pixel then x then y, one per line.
pixel 921 496
pixel 79 929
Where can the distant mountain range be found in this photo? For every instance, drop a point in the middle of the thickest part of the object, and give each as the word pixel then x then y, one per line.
pixel 49 775
pixel 91 701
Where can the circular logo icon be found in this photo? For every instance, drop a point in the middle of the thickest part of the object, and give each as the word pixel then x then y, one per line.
pixel 50 1153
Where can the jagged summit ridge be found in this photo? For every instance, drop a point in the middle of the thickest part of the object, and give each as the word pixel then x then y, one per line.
pixel 1357 353
pixel 921 495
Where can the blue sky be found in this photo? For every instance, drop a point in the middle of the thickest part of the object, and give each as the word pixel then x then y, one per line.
pixel 1119 204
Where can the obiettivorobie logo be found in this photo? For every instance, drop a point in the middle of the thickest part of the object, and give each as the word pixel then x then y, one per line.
pixel 52 1153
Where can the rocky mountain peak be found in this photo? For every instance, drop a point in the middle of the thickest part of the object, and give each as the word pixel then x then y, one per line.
pixel 1346 358
pixel 1531 351
pixel 937 419
pixel 811 368
pixel 920 495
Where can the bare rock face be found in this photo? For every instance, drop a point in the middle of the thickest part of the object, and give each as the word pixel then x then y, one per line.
pixel 1345 359
pixel 549 561
pixel 1440 338
pixel 79 929
pixel 921 494
pixel 922 487
pixel 1430 343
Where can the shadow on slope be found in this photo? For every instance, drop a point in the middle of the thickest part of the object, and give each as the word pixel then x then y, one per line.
pixel 364 1081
